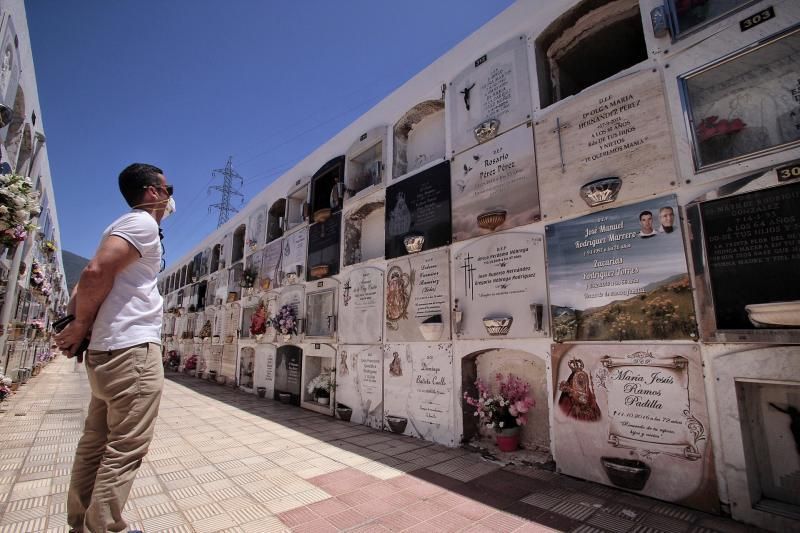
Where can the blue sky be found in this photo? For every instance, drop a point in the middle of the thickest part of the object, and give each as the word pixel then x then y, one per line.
pixel 183 84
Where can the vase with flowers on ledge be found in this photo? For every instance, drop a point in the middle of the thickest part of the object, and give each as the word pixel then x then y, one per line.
pixel 320 387
pixel 503 408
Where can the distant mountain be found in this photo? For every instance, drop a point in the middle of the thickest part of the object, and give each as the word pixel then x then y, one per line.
pixel 73 266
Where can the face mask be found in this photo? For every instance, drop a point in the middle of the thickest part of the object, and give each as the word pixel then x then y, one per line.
pixel 170 208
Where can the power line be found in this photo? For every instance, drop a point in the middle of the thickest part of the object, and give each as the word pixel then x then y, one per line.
pixel 228 191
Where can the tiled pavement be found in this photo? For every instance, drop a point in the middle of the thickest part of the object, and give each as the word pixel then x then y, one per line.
pixel 226 461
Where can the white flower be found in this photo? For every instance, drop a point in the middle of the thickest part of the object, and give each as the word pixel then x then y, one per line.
pixel 3 210
pixel 502 423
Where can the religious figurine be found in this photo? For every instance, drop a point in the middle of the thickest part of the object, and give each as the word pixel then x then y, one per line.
pixel 577 395
pixel 258 322
pixel 395 367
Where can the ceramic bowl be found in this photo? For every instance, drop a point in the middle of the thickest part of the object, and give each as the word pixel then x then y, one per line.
pixel 498 325
pixel 344 412
pixel 774 314
pixel 397 423
pixel 431 331
pixel 414 242
pixel 320 271
pixel 492 220
pixel 321 215
pixel 630 474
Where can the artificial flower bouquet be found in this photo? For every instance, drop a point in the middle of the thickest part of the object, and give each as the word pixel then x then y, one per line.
pixel 320 386
pixel 286 320
pixel 507 408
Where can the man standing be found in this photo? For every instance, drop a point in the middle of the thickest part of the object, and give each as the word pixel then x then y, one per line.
pixel 117 303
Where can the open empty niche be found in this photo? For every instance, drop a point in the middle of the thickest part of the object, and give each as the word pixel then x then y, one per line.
pixel 247 361
pixel 237 251
pixel 768 414
pixel 364 162
pixel 215 256
pixel 364 237
pixel 589 43
pixel 296 207
pixel 275 216
pixel 327 189
pixel 419 137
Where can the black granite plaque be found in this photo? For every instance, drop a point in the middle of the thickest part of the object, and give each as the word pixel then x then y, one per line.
pixel 288 371
pixel 752 245
pixel 323 246
pixel 419 205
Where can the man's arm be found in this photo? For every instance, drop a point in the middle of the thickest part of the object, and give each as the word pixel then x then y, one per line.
pixel 114 255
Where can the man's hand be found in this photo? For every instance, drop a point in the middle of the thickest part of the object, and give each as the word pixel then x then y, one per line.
pixel 72 336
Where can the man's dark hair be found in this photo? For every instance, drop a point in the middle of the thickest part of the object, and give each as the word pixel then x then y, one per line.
pixel 643 213
pixel 134 179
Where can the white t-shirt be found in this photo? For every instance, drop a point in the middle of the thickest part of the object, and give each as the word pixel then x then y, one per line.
pixel 131 313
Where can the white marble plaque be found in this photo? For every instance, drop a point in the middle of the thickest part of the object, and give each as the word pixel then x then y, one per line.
pixel 361 306
pixel 418 298
pixel 495 87
pixel 257 228
pixel 271 259
pixel 494 186
pixel 293 264
pixel 265 368
pixel 294 297
pixel 501 276
pixel 418 391
pixel 617 129
pixel 359 384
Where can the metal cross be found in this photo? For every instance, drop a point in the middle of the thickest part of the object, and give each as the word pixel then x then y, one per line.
pixel 558 129
pixel 465 92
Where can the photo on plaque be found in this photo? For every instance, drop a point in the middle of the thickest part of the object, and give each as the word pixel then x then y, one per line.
pixel 490 96
pixel 635 417
pixel 418 212
pixel 620 274
pixel 270 272
pixel 746 104
pixel 751 245
pixel 494 185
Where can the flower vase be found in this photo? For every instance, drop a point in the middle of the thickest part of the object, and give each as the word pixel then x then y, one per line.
pixel 323 400
pixel 508 439
pixel 258 336
pixel 287 337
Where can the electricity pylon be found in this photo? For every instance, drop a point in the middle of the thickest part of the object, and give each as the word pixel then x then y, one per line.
pixel 228 191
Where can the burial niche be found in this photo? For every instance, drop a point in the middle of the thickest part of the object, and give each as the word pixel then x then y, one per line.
pixel 275 220
pixel 588 44
pixel 237 251
pixel 327 189
pixel 215 257
pixel 418 137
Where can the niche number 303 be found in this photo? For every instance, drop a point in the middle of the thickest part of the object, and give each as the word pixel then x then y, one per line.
pixel 788 172
pixel 754 20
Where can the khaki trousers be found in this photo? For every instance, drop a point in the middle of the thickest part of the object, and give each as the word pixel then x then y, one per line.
pixel 126 389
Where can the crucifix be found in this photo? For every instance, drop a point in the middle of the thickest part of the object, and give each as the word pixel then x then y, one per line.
pixel 469 270
pixel 558 129
pixel 465 92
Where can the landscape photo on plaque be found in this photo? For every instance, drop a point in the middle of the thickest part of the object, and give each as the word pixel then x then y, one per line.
pixel 270 275
pixel 620 274
pixel 293 263
pixel 494 185
pixel 635 417
pixel 744 105
pixel 490 96
pixel 418 212
pixel 752 252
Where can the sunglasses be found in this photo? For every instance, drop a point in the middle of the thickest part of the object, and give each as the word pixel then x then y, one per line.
pixel 167 188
